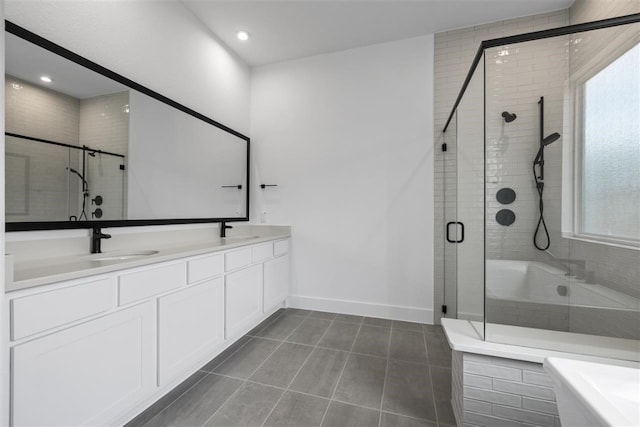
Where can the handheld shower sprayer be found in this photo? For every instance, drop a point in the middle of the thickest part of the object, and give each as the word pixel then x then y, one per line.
pixel 85 192
pixel 84 181
pixel 546 141
pixel 538 177
pixel 508 117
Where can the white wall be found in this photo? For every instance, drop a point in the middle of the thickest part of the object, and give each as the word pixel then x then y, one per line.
pixel 160 45
pixel 348 139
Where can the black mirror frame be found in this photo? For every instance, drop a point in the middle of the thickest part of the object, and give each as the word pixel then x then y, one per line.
pixel 66 225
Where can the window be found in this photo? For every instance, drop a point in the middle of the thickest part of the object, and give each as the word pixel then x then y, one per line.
pixel 609 156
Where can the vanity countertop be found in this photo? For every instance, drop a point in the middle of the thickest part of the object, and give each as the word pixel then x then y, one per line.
pixel 31 273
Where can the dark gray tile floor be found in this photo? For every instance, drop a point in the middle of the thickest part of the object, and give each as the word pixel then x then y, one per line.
pixel 306 368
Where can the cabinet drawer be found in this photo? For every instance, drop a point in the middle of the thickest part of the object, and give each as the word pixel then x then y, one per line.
pixel 204 267
pixel 261 252
pixel 281 247
pixel 146 283
pixel 237 259
pixel 37 313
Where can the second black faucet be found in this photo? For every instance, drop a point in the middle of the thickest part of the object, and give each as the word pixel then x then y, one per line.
pixel 96 240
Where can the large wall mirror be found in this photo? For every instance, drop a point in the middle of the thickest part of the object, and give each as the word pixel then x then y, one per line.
pixel 86 147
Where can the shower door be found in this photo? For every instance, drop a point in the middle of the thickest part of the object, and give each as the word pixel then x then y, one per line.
pixel 463 207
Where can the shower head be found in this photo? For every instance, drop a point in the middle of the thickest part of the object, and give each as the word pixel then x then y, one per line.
pixel 508 117
pixel 550 139
pixel 546 141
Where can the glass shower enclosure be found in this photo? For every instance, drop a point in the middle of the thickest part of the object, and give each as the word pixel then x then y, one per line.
pixel 541 185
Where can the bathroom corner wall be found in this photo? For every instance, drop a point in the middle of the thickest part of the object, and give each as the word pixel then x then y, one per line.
pixel 347 137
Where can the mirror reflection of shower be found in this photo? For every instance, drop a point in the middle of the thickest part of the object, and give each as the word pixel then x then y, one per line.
pixel 85 195
pixel 508 117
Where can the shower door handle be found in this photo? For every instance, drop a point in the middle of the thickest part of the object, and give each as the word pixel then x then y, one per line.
pixel 449 224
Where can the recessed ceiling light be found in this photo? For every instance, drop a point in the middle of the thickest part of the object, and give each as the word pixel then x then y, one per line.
pixel 46 79
pixel 242 35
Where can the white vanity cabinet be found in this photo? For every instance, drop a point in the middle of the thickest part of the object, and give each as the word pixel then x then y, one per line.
pixel 86 374
pixel 99 349
pixel 190 325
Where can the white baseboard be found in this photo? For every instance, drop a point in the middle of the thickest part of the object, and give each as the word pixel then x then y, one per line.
pixel 383 311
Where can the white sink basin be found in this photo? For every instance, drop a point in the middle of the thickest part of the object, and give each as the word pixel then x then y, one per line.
pixel 595 394
pixel 119 256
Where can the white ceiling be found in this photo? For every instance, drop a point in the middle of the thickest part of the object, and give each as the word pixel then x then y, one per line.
pixel 282 30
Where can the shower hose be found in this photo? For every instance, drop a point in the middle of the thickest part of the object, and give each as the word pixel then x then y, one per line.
pixel 540 188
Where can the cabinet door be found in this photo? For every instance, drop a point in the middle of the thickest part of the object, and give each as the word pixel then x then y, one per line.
pixel 243 299
pixel 190 325
pixel 87 374
pixel 276 282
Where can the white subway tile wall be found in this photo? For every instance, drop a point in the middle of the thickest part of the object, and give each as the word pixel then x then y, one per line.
pixel 36 176
pixel 492 391
pixel 104 125
pixel 40 113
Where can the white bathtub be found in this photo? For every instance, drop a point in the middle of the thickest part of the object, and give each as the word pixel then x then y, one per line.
pixel 538 295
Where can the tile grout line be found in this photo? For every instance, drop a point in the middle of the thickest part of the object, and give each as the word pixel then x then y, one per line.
pixel 301 366
pixel 386 373
pixel 249 376
pixel 433 391
pixel 321 397
pixel 335 388
pixel 207 373
pixel 330 399
pixel 176 399
pixel 285 389
pixel 227 358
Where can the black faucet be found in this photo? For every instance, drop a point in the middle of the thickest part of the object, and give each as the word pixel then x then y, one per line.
pixel 96 240
pixel 223 229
